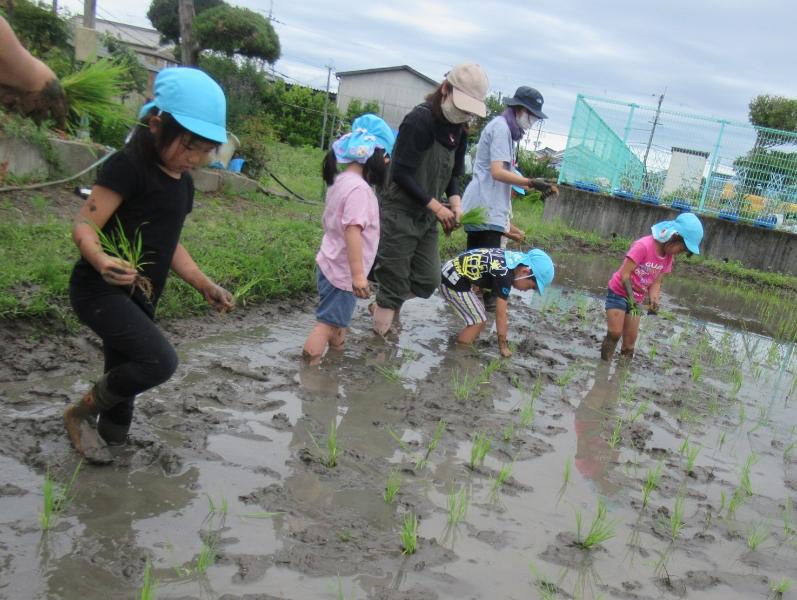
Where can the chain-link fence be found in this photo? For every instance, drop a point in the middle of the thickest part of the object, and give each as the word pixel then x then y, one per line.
pixel 732 170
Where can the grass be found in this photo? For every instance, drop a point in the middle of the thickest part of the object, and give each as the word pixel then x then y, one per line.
pixel 330 459
pixel 149 585
pixel 57 497
pixel 409 534
pixel 600 530
pixel 479 450
pixel 392 487
pixel 457 503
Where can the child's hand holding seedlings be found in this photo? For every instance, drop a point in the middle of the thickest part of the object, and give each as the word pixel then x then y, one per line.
pixel 115 271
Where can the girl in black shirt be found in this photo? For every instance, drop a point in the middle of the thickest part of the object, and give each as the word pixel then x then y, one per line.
pixel 144 189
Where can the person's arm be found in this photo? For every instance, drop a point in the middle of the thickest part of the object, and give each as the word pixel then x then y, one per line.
pixel 499 172
pixel 93 215
pixel 354 252
pixel 625 277
pixel 185 268
pixel 502 326
pixel 515 233
pixel 654 293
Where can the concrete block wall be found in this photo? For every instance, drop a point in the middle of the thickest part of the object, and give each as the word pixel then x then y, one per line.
pixel 754 247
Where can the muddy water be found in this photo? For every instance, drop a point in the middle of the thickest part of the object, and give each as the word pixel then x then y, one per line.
pixel 230 453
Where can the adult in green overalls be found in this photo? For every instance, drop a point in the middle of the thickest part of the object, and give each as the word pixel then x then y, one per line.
pixel 427 161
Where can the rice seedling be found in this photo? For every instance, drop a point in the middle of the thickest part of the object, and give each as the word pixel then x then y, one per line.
pixel 491 367
pixel 388 372
pixel 744 479
pixel 614 439
pixel 480 448
pixel 474 216
pixel 547 588
pixel 565 378
pixel 566 475
pixel 514 381
pixel 756 536
pixel 457 503
pixel 652 351
pixel 131 252
pixel 600 530
pixel 527 414
pixel 149 585
pixel 691 456
pixel 741 415
pixel 737 379
pixel 463 384
pixel 721 440
pixel 409 534
pixel 780 587
pixel 207 554
pixel 714 405
pixel 723 502
pixel 402 444
pixel 57 497
pixel 735 502
pixel 345 536
pixel 508 431
pixel 788 521
pixel 438 432
pixel 773 354
pixel 261 515
pixel 331 458
pixel 504 473
pixel 652 478
pixel 91 93
pixel 581 307
pixel 697 372
pixel 220 508
pixel 393 486
pixel 241 292
pixel 677 517
pixel 537 389
pixel 640 410
pixel 788 449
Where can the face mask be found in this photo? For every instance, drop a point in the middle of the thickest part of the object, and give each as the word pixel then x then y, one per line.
pixel 452 113
pixel 525 120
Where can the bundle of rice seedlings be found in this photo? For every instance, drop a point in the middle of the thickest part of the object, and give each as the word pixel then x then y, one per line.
pixel 93 93
pixel 474 216
pixel 118 245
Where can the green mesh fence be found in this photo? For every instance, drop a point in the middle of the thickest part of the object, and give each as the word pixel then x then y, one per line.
pixel 731 170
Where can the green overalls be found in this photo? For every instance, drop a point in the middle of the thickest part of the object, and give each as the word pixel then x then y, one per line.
pixel 408 259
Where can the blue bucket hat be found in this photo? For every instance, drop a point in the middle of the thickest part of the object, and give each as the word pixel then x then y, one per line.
pixel 538 261
pixel 368 132
pixel 194 100
pixel 687 225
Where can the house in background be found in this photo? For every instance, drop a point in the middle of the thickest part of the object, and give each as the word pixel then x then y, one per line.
pixel 145 42
pixel 397 89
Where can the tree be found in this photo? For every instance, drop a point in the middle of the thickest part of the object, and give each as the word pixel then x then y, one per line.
pixel 356 108
pixel 165 16
pixel 494 108
pixel 234 30
pixel 773 112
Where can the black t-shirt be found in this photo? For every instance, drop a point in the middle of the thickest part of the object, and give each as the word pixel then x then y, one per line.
pixel 417 132
pixel 483 267
pixel 154 204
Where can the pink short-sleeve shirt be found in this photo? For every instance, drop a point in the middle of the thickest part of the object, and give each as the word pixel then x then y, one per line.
pixel 350 201
pixel 649 267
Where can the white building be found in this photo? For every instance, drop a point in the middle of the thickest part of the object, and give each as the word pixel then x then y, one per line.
pixel 397 89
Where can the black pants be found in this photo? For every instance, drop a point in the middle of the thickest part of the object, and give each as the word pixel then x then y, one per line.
pixel 484 239
pixel 137 354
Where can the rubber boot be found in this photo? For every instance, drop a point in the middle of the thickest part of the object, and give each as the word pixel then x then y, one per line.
pixel 113 434
pixel 608 346
pixel 79 419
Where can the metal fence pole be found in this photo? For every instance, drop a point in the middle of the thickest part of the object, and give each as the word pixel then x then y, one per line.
pixel 567 155
pixel 626 133
pixel 712 167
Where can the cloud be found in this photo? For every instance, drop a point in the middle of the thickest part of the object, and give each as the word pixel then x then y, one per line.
pixel 435 18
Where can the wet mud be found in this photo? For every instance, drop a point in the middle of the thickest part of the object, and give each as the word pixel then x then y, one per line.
pixel 224 486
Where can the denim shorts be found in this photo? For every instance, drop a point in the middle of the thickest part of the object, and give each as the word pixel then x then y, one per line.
pixel 335 306
pixel 617 301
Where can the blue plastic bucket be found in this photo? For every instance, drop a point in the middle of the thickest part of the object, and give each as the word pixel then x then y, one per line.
pixel 236 164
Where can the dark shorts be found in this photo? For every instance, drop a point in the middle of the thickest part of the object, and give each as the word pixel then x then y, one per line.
pixel 617 301
pixel 335 306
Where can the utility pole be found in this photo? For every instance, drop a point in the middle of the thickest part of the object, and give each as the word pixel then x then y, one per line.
pixel 55 7
pixel 188 48
pixel 653 130
pixel 89 13
pixel 326 102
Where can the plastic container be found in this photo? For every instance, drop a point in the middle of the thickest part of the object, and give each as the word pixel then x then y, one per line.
pixel 236 164
pixel 681 205
pixel 649 199
pixel 767 222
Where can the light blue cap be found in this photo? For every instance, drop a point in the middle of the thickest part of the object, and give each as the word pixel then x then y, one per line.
pixel 687 225
pixel 517 189
pixel 538 261
pixel 193 99
pixel 368 132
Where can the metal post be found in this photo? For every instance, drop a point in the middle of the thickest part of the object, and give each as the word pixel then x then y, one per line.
pixel 626 133
pixel 712 167
pixel 89 14
pixel 326 102
pixel 579 100
pixel 652 131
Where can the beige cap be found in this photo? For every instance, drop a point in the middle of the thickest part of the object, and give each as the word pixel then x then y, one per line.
pixel 470 85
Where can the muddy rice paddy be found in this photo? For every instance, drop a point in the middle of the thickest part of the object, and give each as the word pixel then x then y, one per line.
pixel 224 491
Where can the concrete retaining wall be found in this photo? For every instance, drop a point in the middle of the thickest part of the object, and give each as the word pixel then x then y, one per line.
pixel 754 247
pixel 27 160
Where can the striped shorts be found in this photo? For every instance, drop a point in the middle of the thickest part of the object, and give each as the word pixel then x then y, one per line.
pixel 467 305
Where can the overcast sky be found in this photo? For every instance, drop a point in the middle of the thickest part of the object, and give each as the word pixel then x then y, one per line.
pixel 711 56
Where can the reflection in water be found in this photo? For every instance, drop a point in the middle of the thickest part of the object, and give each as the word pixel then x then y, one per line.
pixel 594 425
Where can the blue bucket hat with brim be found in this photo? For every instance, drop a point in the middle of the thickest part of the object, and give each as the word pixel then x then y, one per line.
pixel 368 132
pixel 538 261
pixel 687 225
pixel 194 99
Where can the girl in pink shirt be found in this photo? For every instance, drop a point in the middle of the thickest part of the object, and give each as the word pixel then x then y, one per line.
pixel 646 262
pixel 351 229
